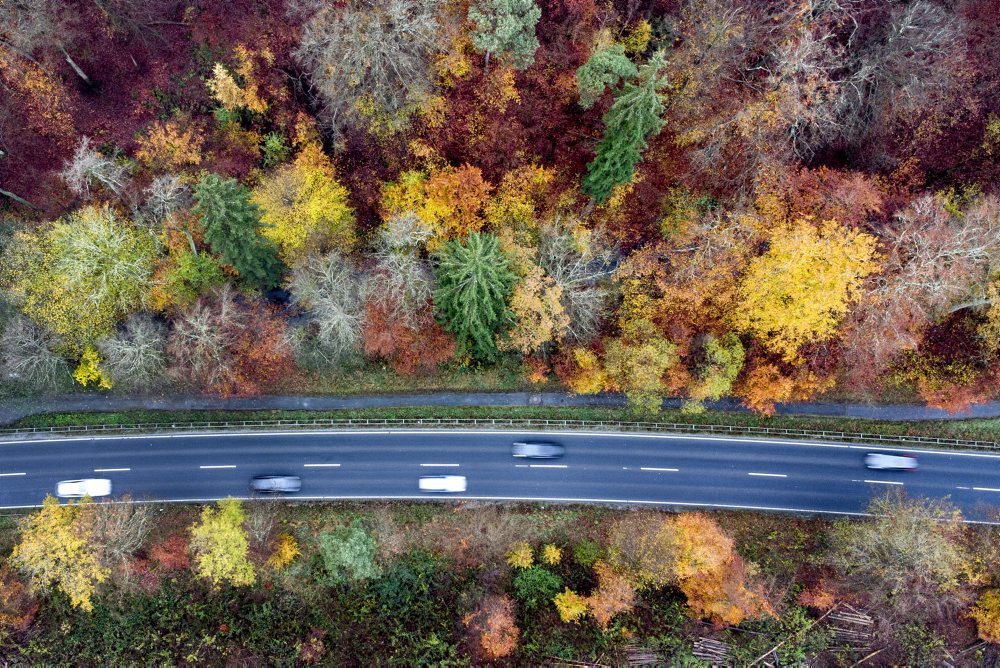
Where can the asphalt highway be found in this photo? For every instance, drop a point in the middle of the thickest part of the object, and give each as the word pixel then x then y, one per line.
pixel 655 469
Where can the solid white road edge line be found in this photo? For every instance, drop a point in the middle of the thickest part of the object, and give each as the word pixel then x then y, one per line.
pixel 686 504
pixel 614 434
pixel 884 482
pixel 769 475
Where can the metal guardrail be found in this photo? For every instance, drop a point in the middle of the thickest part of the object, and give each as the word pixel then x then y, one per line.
pixel 523 423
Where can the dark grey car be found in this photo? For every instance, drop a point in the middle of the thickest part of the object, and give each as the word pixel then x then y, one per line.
pixel 537 450
pixel 276 484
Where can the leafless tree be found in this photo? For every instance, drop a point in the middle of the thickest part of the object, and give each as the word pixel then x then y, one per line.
pixel 328 289
pixel 26 356
pixel 136 357
pixel 261 516
pixel 372 59
pixel 198 344
pixel 166 194
pixel 89 167
pixel 933 263
pixel 119 529
pixel 580 269
pixel 401 277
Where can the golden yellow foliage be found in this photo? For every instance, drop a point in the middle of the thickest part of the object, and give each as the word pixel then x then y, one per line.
pixel 538 311
pixel 637 38
pixel 450 200
pixel 798 291
pixel 636 363
pixel 986 612
pixel 55 551
pixel 570 605
pixel 304 208
pixel 518 198
pixel 168 146
pixel 230 94
pixel 284 553
pixel 89 372
pixel 220 544
pixel 521 555
pixel 588 376
pixel 551 555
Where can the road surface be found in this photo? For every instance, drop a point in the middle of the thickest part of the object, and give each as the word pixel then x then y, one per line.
pixel 655 469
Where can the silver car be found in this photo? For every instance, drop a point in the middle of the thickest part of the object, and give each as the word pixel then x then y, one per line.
pixel 537 450
pixel 276 484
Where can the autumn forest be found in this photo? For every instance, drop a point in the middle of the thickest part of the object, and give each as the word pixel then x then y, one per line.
pixel 698 198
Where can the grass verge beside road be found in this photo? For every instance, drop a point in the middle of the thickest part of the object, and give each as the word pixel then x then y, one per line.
pixel 973 429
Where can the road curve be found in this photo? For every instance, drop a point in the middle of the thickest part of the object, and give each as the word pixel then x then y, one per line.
pixel 599 467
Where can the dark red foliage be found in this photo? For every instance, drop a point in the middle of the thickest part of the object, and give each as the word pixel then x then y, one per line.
pixel 408 348
pixel 172 554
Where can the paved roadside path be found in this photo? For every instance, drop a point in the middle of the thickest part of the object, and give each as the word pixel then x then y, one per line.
pixel 12 410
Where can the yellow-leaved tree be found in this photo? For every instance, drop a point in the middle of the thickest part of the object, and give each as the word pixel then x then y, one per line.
pixel 538 311
pixel 570 605
pixel 304 209
pixel 56 552
pixel 220 544
pixel 799 290
pixel 449 200
pixel 80 276
pixel 636 363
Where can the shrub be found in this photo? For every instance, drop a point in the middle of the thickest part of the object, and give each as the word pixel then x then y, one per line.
pixel 284 553
pixel 536 586
pixel 571 606
pixel 521 555
pixel 551 555
pixel 348 554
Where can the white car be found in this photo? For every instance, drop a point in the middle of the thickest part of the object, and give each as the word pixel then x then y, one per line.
pixel 442 483
pixel 884 462
pixel 75 489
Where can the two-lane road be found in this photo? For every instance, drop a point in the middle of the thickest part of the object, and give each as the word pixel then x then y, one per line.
pixel 669 470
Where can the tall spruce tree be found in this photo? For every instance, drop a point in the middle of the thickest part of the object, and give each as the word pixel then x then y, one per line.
pixel 474 284
pixel 634 116
pixel 232 228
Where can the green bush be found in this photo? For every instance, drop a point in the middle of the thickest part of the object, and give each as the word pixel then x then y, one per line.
pixel 348 554
pixel 587 552
pixel 536 586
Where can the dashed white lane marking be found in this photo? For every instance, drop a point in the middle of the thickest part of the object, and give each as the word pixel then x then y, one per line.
pixel 769 475
pixel 109 470
pixel 448 465
pixel 219 466
pixel 547 466
pixel 985 489
pixel 316 466
pixel 651 468
pixel 960 487
pixel 4 475
pixel 884 482
pixel 520 466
